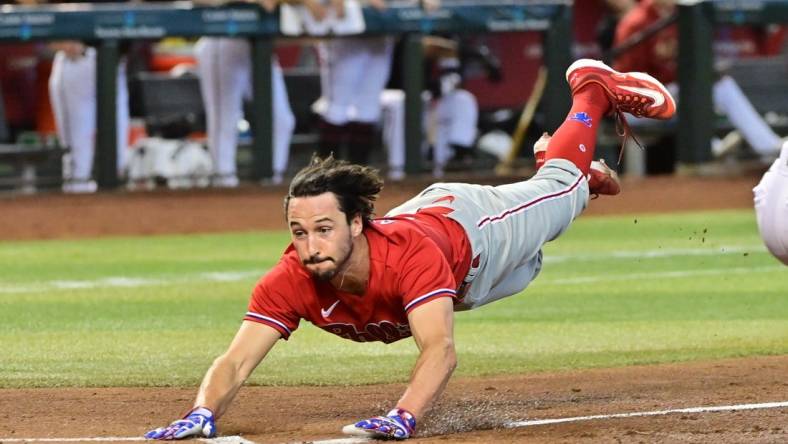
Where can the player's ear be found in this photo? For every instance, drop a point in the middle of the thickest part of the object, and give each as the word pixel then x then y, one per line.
pixel 356 225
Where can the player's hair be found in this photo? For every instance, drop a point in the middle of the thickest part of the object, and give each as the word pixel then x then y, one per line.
pixel 355 186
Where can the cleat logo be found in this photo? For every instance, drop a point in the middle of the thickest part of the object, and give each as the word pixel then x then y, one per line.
pixel 581 117
pixel 656 96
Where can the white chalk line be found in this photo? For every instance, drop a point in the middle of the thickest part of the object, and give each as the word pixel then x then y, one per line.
pixel 240 275
pixel 509 425
pixel 710 409
pixel 537 422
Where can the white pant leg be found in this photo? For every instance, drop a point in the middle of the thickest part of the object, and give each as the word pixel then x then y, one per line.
pixel 122 112
pixel 341 60
pixel 392 102
pixel 371 77
pixel 730 100
pixel 224 66
pixel 353 74
pixel 73 89
pixel 56 98
pixel 771 207
pixel 284 120
pixel 456 117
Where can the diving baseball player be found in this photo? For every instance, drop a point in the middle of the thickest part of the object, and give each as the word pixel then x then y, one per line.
pixel 771 207
pixel 452 247
pixel 225 71
pixel 72 92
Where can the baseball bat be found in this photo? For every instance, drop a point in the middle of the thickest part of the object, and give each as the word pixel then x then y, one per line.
pixel 640 37
pixel 526 117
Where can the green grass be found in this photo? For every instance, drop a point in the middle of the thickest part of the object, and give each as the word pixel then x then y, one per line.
pixel 614 291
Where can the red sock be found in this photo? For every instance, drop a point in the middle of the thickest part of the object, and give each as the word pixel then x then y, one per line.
pixel 575 139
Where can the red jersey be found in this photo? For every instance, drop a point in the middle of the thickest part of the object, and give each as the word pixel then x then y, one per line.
pixel 413 259
pixel 657 55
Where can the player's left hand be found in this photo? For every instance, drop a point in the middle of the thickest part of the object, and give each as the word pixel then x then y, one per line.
pixel 397 424
pixel 198 422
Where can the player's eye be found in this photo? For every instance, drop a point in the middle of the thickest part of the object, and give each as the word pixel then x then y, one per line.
pixel 299 233
pixel 324 230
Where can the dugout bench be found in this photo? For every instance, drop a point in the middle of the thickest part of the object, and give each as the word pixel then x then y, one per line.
pixel 106 25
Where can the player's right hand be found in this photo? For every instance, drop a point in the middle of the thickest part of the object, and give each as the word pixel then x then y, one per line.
pixel 198 422
pixel 397 424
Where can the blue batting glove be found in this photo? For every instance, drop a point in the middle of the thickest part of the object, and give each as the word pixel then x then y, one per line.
pixel 397 424
pixel 198 422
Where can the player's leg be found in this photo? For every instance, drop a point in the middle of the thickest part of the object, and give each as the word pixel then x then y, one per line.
pixel 335 58
pixel 56 96
pixel 122 111
pixel 205 53
pixel 284 122
pixel 597 90
pixel 508 225
pixel 227 63
pixel 369 77
pixel 456 117
pixel 729 99
pixel 78 96
pixel 393 120
pixel 771 207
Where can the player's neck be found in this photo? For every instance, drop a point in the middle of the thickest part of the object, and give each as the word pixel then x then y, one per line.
pixel 354 277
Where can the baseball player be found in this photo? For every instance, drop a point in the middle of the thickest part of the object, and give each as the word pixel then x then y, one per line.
pixel 353 73
pixel 72 92
pixel 771 207
pixel 453 247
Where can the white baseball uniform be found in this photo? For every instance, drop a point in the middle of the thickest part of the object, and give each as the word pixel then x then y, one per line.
pixel 353 73
pixel 225 68
pixel 451 118
pixel 72 92
pixel 771 207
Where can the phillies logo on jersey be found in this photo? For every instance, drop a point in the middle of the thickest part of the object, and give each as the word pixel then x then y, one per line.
pixel 384 331
pixel 581 117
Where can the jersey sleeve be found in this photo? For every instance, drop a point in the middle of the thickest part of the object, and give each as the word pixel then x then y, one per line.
pixel 425 276
pixel 271 302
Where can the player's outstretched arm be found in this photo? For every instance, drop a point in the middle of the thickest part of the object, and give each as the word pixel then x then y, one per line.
pixel 432 325
pixel 221 383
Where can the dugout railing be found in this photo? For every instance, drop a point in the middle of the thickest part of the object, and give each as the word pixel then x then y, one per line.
pixel 107 25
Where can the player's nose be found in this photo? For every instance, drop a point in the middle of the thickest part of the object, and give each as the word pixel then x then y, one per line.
pixel 312 246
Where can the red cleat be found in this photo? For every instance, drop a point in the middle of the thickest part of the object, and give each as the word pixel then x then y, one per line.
pixel 635 93
pixel 602 179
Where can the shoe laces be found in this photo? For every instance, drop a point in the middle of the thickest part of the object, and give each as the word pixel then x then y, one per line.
pixel 624 131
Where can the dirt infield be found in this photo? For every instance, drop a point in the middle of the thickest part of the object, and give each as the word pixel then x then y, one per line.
pixel 49 216
pixel 472 410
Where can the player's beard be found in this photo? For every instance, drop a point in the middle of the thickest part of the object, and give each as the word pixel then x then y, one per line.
pixel 340 264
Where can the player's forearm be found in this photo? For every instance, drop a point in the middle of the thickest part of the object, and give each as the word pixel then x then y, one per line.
pixel 220 385
pixel 430 376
